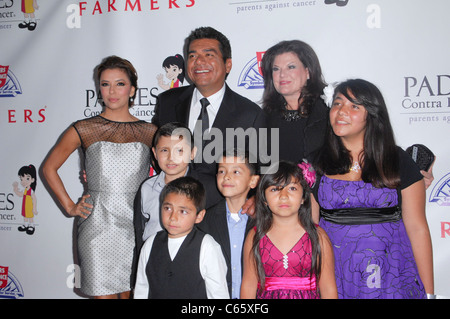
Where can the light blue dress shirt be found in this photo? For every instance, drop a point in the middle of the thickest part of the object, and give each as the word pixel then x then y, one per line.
pixel 236 230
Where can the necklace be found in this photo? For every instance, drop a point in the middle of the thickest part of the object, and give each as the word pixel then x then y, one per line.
pixel 291 115
pixel 355 167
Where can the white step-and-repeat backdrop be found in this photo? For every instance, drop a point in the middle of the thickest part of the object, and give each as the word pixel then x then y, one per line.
pixel 47 58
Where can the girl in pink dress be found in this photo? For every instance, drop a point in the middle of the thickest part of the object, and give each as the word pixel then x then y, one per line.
pixel 287 256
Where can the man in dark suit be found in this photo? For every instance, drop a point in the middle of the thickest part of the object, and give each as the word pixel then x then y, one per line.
pixel 208 62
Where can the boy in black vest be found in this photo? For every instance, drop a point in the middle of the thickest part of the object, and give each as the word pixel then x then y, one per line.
pixel 180 261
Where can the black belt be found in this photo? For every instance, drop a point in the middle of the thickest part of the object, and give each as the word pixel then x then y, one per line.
pixel 361 216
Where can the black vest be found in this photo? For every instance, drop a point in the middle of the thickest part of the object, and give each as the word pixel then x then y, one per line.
pixel 180 278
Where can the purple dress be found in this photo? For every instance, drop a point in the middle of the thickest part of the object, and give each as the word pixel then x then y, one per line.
pixel 372 260
pixel 287 276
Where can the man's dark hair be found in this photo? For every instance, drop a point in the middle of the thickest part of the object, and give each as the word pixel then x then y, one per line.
pixel 209 33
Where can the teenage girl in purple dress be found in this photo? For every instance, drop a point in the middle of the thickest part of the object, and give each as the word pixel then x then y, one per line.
pixel 371 201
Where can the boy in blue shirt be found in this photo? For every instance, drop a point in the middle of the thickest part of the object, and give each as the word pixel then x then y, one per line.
pixel 173 149
pixel 236 177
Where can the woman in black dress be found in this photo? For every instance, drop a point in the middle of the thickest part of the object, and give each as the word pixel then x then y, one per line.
pixel 293 85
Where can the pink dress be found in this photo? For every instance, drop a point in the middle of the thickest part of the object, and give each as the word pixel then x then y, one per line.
pixel 287 276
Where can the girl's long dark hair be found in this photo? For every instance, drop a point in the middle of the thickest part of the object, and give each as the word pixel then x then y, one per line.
pixel 273 101
pixel 286 173
pixel 379 159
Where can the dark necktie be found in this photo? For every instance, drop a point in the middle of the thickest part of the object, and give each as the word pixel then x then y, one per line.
pixel 203 116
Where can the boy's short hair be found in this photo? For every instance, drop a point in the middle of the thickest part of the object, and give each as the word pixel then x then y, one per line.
pixel 188 186
pixel 172 129
pixel 244 155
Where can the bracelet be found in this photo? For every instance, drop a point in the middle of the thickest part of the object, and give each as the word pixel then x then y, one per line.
pixel 431 296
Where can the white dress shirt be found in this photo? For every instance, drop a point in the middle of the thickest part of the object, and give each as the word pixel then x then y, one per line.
pixel 214 104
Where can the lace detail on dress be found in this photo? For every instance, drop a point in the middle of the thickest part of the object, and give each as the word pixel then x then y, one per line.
pixel 98 128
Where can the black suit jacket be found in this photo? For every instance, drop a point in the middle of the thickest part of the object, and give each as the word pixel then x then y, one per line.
pixel 215 224
pixel 235 111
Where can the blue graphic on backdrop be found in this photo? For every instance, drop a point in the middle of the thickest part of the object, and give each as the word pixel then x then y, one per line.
pixel 250 76
pixel 441 192
pixel 10 286
pixel 9 85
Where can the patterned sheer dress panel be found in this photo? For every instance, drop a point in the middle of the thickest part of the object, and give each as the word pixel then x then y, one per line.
pixel 98 129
